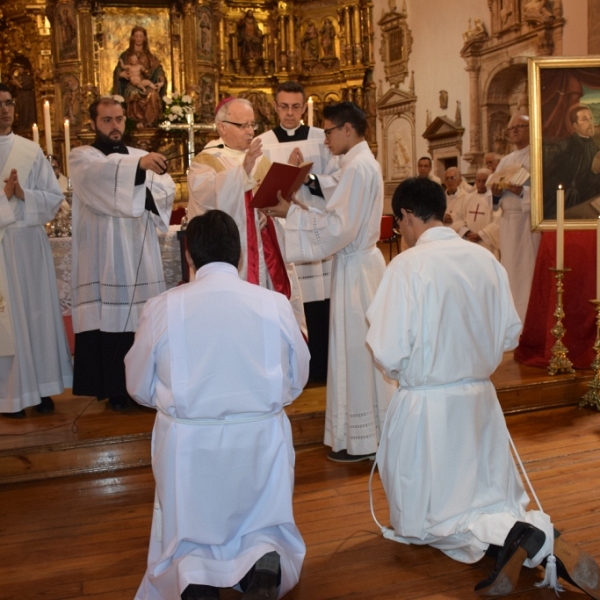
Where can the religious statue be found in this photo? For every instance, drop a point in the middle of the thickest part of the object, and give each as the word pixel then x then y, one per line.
pixel 71 100
pixel 250 37
pixel 205 37
pixel 537 10
pixel 477 31
pixel 24 94
pixel 140 79
pixel 327 32
pixel 310 41
pixel 67 32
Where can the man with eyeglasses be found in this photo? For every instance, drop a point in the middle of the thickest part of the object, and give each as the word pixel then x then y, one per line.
pixel 455 194
pixel 573 166
pixel 294 143
pixel 35 361
pixel 223 176
pixel 348 228
pixel 518 244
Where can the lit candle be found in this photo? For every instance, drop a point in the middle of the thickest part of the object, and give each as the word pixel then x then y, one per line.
pixel 67 146
pixel 48 128
pixel 310 112
pixel 36 134
pixel 598 260
pixel 560 227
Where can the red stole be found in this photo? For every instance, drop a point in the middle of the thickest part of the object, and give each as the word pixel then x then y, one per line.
pixel 272 252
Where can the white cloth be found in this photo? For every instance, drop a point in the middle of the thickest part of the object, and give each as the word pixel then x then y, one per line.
pixel 219 358
pixel 439 324
pixel 222 185
pixel 453 203
pixel 518 244
pixel 313 276
pixel 357 392
pixel 434 178
pixel 116 264
pixel 476 214
pixel 42 363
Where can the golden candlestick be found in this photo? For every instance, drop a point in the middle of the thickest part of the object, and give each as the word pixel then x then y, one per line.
pixel 559 363
pixel 592 396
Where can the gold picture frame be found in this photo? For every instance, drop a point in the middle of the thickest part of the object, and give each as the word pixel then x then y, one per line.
pixel 558 87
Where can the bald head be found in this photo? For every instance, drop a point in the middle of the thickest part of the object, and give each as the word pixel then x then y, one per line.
pixel 491 160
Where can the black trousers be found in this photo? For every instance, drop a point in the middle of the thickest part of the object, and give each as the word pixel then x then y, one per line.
pixel 317 323
pixel 98 368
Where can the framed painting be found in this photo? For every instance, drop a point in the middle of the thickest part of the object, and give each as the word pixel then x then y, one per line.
pixel 564 96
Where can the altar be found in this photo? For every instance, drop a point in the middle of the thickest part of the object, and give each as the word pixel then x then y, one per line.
pixel 535 345
pixel 61 251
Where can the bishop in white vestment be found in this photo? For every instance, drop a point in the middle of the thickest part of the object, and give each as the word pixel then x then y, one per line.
pixel 219 358
pixel 35 361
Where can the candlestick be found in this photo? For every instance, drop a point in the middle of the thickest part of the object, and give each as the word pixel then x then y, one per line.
pixel 310 112
pixel 592 396
pixel 36 134
pixel 48 128
pixel 67 146
pixel 559 363
pixel 560 227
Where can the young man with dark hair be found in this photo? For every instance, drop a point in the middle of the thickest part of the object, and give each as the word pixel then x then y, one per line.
pixel 121 195
pixel 35 361
pixel 220 358
pixel 293 142
pixel 439 324
pixel 348 227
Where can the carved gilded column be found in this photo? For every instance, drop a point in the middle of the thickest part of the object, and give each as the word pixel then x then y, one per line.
pixel 356 37
pixel 347 36
pixel 86 36
pixel 189 44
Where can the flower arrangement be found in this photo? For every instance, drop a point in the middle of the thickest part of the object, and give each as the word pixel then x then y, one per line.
pixel 177 106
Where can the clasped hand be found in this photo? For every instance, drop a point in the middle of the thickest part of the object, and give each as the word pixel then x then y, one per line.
pixel 12 187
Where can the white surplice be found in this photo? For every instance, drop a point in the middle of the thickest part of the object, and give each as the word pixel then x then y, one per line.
pixel 518 244
pixel 313 276
pixel 357 392
pixel 439 324
pixel 218 180
pixel 219 358
pixel 41 365
pixel 116 261
pixel 453 203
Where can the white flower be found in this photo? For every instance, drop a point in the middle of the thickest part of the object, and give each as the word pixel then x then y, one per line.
pixel 175 96
pixel 177 110
pixel 118 98
pixel 172 117
pixel 167 100
pixel 186 99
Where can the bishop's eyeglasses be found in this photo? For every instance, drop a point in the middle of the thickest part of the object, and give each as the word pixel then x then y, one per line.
pixel 253 125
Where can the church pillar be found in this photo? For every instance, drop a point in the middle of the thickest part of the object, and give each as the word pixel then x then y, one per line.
pixel 357 49
pixel 189 45
pixel 475 150
pixel 86 37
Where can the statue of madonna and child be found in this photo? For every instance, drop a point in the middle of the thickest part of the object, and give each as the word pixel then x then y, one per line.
pixel 140 79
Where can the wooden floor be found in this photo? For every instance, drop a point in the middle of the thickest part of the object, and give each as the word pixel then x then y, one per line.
pixel 86 536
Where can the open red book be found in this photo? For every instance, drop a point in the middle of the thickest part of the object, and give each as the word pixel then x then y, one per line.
pixel 286 178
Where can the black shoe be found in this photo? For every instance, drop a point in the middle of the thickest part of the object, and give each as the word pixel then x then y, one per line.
pixel 46 406
pixel 20 414
pixel 577 567
pixel 263 586
pixel 195 591
pixel 523 541
pixel 119 403
pixel 342 456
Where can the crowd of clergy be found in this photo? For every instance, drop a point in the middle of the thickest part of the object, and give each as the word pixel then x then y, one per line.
pixel 293 290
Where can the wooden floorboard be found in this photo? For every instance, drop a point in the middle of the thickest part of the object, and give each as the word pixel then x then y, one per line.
pixel 87 536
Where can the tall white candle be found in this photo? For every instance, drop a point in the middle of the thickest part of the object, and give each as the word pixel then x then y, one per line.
pixel 310 112
pixel 598 260
pixel 48 128
pixel 560 227
pixel 67 146
pixel 36 134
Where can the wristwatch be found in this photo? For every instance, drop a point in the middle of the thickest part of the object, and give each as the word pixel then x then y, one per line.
pixel 312 180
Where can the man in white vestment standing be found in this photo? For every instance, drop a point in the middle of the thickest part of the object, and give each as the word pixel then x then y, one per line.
pixel 219 358
pixel 121 195
pixel 424 169
pixel 518 244
pixel 357 392
pixel 294 143
pixel 474 218
pixel 455 194
pixel 35 361
pixel 444 457
pixel 224 176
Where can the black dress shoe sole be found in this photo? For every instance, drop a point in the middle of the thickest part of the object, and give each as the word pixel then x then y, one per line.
pixel 46 406
pixel 15 415
pixel 577 567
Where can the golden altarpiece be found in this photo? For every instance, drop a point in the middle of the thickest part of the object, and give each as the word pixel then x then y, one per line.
pixel 69 52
